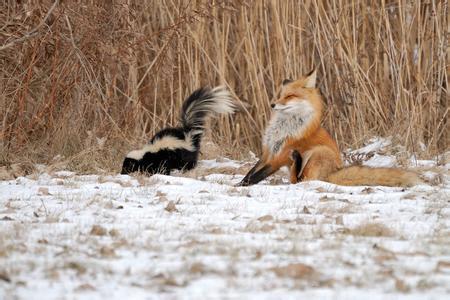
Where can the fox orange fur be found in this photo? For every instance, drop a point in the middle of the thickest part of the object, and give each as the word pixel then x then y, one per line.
pixel 294 138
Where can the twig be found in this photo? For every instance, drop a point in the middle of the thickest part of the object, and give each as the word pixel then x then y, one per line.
pixel 33 32
pixel 45 208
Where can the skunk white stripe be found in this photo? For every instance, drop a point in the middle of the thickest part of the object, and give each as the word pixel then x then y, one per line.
pixel 167 142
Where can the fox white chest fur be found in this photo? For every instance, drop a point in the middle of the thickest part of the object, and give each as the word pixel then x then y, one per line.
pixel 290 120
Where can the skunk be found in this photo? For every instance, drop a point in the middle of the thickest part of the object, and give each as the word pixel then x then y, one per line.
pixel 178 148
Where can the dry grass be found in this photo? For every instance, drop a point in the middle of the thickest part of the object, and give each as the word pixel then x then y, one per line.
pixel 371 229
pixel 88 80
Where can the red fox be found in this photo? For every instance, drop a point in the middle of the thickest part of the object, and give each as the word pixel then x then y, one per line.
pixel 295 138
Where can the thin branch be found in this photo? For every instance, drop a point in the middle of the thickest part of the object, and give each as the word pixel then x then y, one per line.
pixel 33 32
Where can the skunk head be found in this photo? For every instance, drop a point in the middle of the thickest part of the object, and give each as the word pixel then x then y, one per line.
pixel 130 165
pixel 138 161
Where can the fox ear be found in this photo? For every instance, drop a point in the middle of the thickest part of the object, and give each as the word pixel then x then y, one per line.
pixel 311 77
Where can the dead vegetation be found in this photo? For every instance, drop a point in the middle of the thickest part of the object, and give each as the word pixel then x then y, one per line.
pixel 81 83
pixel 298 270
pixel 371 230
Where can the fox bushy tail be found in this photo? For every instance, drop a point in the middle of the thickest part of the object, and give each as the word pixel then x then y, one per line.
pixel 360 175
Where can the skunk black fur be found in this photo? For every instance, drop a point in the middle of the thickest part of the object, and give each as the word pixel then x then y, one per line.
pixel 177 148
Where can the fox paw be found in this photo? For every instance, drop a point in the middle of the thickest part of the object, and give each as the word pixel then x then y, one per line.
pixel 242 183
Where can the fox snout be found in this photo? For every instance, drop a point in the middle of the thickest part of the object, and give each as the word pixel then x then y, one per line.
pixel 277 106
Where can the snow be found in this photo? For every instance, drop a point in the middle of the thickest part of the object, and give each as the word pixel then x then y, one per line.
pixel 375 144
pixel 197 236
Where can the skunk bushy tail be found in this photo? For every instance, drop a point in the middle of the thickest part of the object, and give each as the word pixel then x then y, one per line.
pixel 202 103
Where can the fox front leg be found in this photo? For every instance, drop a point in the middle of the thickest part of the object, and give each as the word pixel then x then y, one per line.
pixel 265 167
pixel 296 167
pixel 253 177
pixel 250 173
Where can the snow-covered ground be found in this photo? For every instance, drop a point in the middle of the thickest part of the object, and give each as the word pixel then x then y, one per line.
pixel 196 236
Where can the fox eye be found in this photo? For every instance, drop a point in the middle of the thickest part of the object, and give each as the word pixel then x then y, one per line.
pixel 287 97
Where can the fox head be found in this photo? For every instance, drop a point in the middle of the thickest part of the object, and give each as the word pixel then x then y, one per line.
pixel 300 97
